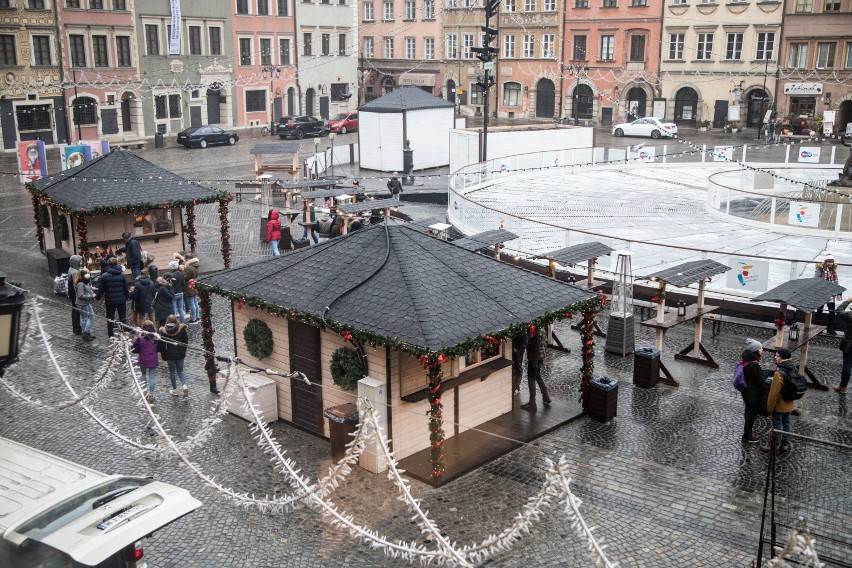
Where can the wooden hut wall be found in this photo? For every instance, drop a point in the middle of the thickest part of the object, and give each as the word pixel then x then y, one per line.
pixel 481 401
pixel 49 242
pixel 106 230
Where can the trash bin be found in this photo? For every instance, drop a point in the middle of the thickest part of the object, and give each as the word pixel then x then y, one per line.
pixel 342 422
pixel 158 139
pixel 600 401
pixel 646 367
pixel 58 261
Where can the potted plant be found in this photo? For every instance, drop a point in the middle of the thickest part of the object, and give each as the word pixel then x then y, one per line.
pixel 703 125
pixel 735 127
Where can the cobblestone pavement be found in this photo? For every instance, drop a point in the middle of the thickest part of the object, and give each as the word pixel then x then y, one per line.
pixel 667 482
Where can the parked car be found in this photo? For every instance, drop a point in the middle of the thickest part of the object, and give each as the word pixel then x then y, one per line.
pixel 203 136
pixel 301 126
pixel 344 122
pixel 653 127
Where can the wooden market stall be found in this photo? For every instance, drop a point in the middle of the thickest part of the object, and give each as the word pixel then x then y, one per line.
pixel 87 208
pixel 430 322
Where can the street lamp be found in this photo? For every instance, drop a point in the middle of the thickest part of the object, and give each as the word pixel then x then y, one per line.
pixel 12 301
pixel 270 72
pixel 763 94
pixel 316 158
pixel 332 136
pixel 581 71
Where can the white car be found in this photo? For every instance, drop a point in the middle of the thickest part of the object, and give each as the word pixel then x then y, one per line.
pixel 653 127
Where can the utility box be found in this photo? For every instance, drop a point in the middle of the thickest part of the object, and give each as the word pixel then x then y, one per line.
pixel 158 140
pixel 263 394
pixel 646 367
pixel 58 261
pixel 600 401
pixel 372 458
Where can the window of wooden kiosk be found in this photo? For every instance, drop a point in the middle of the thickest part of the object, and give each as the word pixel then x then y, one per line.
pixel 476 357
pixel 152 222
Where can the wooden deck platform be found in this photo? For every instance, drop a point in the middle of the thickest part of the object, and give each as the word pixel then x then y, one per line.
pixel 474 448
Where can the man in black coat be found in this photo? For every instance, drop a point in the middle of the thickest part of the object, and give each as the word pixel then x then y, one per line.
pixel 133 253
pixel 113 288
pixel 394 186
pixel 754 395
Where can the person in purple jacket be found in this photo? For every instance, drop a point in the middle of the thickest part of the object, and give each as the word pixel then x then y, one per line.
pixel 146 346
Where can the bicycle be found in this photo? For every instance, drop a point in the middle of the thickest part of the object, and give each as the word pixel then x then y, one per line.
pixel 266 130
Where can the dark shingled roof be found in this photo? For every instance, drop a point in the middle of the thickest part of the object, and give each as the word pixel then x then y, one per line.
pixel 690 272
pixel 275 148
pixel 428 293
pixel 406 98
pixel 485 239
pixel 120 179
pixel 579 253
pixel 806 294
pixel 369 205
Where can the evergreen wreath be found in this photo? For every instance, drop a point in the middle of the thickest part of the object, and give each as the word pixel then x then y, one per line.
pixel 346 368
pixel 258 338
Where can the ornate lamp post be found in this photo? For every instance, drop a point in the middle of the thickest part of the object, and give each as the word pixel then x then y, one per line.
pixel 270 72
pixel 581 71
pixel 12 301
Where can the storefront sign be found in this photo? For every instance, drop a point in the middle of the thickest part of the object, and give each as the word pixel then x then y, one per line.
pixel 417 79
pixel 174 37
pixel 803 89
pixel 803 214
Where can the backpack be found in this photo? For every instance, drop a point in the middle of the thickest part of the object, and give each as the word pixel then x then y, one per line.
pixel 739 377
pixel 60 285
pixel 794 387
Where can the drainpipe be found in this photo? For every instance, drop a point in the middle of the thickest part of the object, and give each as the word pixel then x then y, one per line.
pixel 296 52
pixel 61 73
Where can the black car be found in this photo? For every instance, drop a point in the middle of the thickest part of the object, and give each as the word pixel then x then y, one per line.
pixel 203 136
pixel 301 126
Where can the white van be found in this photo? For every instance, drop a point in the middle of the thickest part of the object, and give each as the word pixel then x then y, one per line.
pixel 55 513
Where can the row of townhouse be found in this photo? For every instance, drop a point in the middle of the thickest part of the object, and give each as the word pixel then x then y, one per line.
pixel 605 61
pixel 113 69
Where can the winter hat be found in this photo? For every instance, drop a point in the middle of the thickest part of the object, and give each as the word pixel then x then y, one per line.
pixel 172 328
pixel 753 344
pixel 174 265
pixel 125 235
pixel 784 353
pixel 827 256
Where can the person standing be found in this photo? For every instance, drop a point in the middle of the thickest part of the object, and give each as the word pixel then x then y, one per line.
pixel 753 395
pixel 776 405
pixel 845 316
pixel 146 347
pixel 178 286
pixel 309 221
pixel 85 295
pixel 519 347
pixel 163 299
pixel 142 297
pixel 827 270
pixel 535 358
pixel 395 186
pixel 73 269
pixel 133 253
pixel 191 266
pixel 770 131
pixel 172 347
pixel 113 288
pixel 273 232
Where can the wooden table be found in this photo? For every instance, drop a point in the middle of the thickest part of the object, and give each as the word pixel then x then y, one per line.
pixel 671 320
pixel 805 336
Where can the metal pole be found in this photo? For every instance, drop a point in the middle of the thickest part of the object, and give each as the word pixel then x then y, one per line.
pixel 763 94
pixel 75 118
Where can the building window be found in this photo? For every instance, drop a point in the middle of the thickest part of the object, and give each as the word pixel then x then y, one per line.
pixel 167 107
pixel 638 3
pixel 85 111
pixel 265 51
pixel 676 44
pixel 429 10
pixel 41 50
pixel 848 63
pixel 306 44
pixel 547 46
pixel 388 11
pixel 245 51
pixel 579 48
pixel 368 47
pixel 476 357
pixel 549 5
pixel 8 53
pixel 368 11
pixel 262 7
pixel 96 4
pixel 152 39
pixel 283 7
pixel 119 5
pixel 410 48
pixel 388 48
pixel 195 40
pixel 255 101
pixel 477 94
pixel 679 2
pixel 804 5
pixel 341 44
pixel 467 44
pixel 410 10
pixel 610 4
pixel 765 45
pixel 33 117
pixel 509 6
pixel 734 46
pixel 215 41
pixel 825 55
pixel 581 3
pixel 529 46
pixel 529 5
pixel 511 94
pixel 325 44
pixel 452 47
pixel 100 51
pixel 802 106
pixel 35 4
pixel 68 4
pixel 798 55
pixel 284 51
pixel 637 48
pixel 339 92
pixel 704 51
pixel 509 46
pixel 429 48
pixel 78 50
pixel 242 7
pixel 122 51
pixel 607 47
pixel 832 5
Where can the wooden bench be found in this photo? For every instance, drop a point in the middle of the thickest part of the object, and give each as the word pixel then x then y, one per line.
pixel 792 137
pixel 135 144
pixel 719 319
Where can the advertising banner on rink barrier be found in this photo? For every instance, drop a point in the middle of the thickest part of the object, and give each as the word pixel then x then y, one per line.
pixel 803 214
pixel 748 274
pixel 809 154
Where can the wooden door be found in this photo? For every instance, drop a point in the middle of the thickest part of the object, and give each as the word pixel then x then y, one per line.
pixel 126 125
pixel 109 120
pixel 195 116
pixel 305 357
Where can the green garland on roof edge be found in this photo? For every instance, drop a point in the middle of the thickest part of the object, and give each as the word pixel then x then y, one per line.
pixel 375 339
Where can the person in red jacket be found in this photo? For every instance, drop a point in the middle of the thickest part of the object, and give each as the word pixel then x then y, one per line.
pixel 273 232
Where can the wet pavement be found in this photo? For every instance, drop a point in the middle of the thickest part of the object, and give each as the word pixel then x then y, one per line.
pixel 666 483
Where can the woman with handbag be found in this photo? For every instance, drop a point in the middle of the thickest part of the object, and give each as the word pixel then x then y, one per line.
pixel 845 317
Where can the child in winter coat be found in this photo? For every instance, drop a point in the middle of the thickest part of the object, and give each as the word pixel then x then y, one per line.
pixel 173 340
pixel 146 346
pixel 273 232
